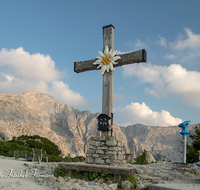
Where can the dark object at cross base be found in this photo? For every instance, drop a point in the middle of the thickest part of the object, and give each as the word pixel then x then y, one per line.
pixel 103 124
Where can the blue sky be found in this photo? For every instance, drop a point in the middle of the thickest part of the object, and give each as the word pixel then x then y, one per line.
pixel 41 40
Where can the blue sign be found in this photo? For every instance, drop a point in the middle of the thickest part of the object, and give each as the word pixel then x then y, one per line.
pixel 184 127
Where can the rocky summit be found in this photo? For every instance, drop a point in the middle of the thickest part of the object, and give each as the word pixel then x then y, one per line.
pixel 34 113
pixel 157 176
pixel 162 175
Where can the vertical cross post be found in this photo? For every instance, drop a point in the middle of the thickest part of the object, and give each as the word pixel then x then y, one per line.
pixel 107 98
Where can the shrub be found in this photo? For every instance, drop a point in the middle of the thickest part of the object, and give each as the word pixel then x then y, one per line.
pixel 192 155
pixel 35 144
pixel 88 176
pixel 142 159
pixel 8 148
pixel 52 150
pixel 59 171
pixel 130 178
pixel 192 150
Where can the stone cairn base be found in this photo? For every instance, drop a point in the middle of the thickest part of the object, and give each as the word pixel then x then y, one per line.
pixel 106 151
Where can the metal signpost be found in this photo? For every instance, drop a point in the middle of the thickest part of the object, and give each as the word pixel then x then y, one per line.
pixel 184 133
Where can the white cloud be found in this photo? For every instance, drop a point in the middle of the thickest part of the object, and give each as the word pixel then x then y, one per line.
pixel 31 67
pixel 141 113
pixel 165 81
pixel 11 84
pixel 192 41
pixel 186 47
pixel 119 52
pixel 35 72
pixel 61 92
pixel 162 41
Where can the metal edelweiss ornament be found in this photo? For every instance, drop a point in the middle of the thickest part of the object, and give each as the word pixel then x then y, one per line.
pixel 107 60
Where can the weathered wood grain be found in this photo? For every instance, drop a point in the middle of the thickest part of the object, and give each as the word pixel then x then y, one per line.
pixel 127 58
pixel 98 168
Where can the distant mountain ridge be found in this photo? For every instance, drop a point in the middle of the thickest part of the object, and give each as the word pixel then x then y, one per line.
pixel 34 113
pixel 161 142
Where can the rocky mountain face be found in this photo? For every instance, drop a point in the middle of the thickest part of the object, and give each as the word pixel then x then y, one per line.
pixel 160 142
pixel 34 113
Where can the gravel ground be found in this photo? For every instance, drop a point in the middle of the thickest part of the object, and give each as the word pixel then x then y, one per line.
pixel 14 177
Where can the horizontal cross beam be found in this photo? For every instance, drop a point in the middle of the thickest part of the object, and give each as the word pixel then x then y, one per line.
pixel 127 58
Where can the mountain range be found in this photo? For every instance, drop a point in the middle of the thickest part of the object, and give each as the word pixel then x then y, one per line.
pixel 34 113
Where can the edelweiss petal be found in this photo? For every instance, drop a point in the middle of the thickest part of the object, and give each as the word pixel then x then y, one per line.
pixel 114 63
pixel 99 58
pixel 97 62
pixel 99 65
pixel 111 67
pixel 113 53
pixel 101 55
pixel 107 68
pixel 116 58
pixel 103 68
pixel 109 53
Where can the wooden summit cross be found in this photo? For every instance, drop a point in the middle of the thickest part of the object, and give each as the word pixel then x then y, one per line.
pixel 128 58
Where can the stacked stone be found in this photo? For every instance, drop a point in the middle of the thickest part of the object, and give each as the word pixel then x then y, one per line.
pixel 106 151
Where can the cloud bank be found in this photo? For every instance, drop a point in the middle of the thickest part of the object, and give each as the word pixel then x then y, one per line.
pixel 171 80
pixel 35 72
pixel 135 113
pixel 185 48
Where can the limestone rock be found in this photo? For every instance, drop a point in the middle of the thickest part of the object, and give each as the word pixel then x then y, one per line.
pixel 108 153
pixel 3 136
pixel 160 142
pixel 34 113
pixel 126 185
pixel 150 157
pixel 111 141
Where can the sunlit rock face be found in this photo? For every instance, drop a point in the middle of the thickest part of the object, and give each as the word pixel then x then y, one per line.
pixel 34 113
pixel 160 142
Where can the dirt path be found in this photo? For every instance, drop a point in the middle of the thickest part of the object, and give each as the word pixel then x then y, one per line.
pixel 13 176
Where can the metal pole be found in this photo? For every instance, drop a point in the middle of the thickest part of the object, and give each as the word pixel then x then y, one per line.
pixel 112 125
pixel 184 149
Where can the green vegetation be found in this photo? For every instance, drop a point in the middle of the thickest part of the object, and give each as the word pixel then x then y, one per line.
pixel 142 159
pixel 130 178
pixel 59 171
pixel 8 147
pixel 89 176
pixel 192 150
pixel 27 143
